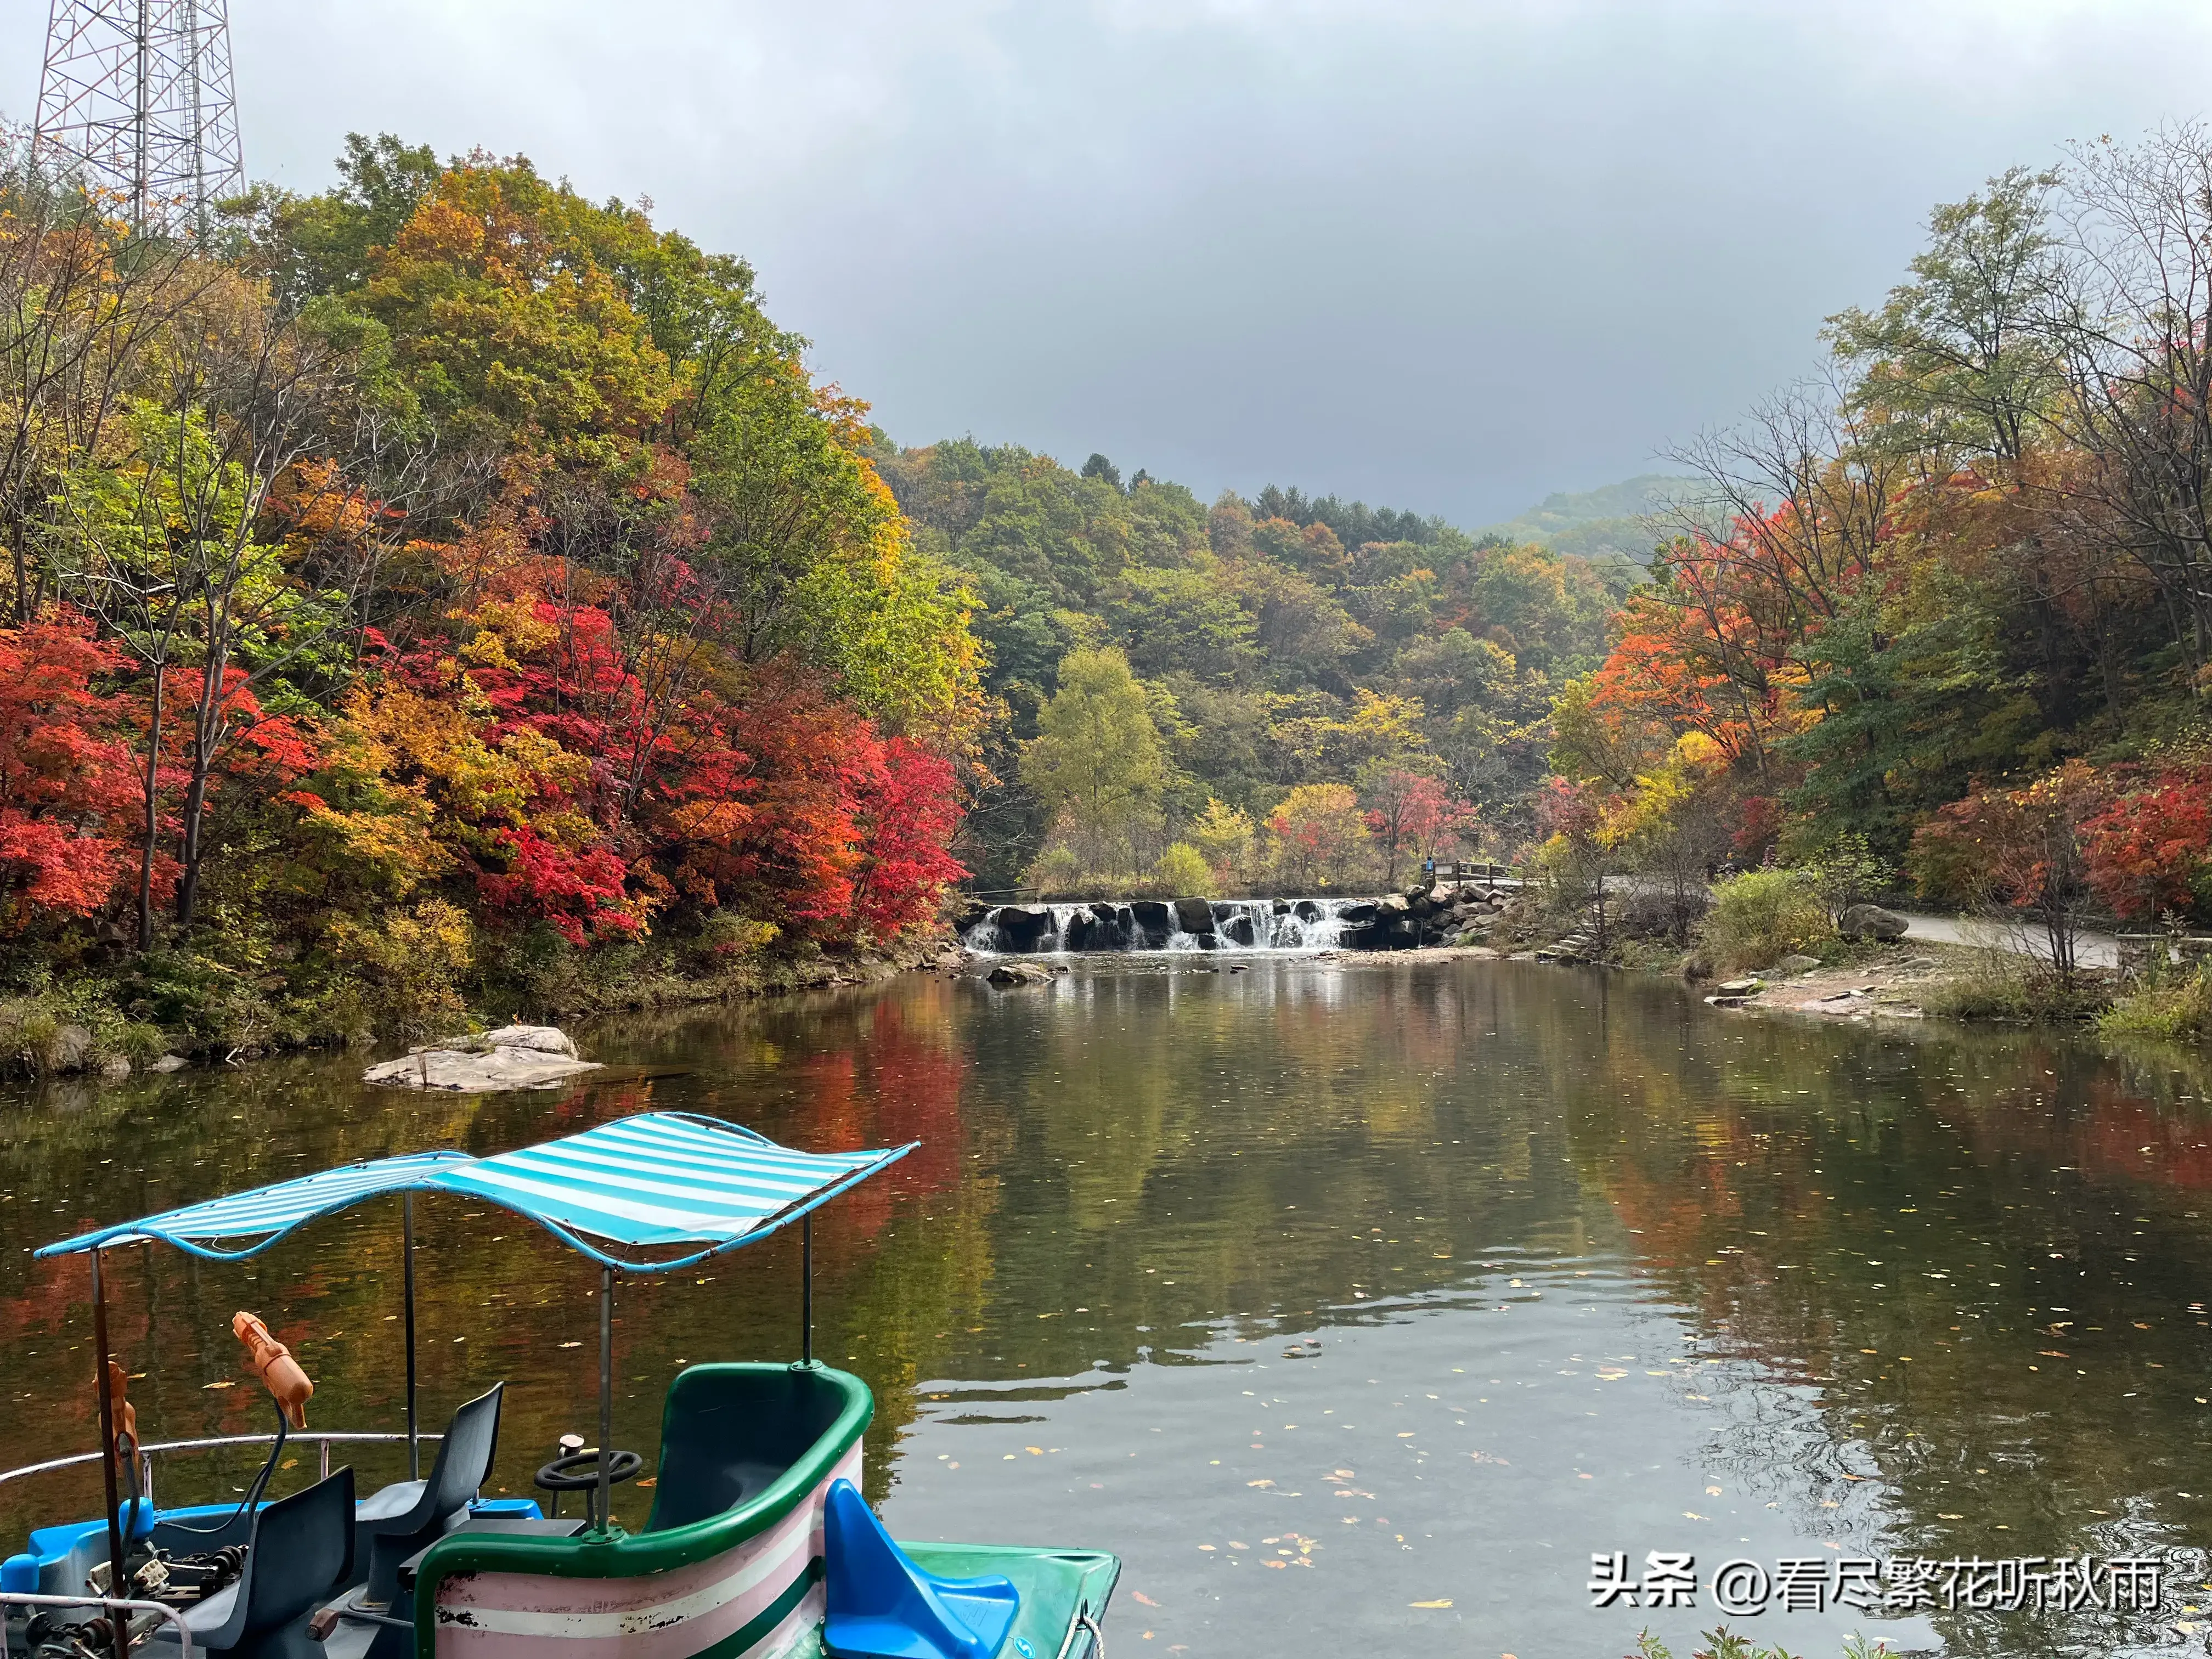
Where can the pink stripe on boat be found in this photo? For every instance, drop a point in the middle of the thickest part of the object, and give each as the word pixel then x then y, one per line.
pixel 804 1620
pixel 510 1615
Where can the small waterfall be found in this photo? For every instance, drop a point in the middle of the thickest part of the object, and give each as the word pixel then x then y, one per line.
pixel 1256 926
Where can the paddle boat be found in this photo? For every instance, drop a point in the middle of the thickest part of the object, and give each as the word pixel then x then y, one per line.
pixel 759 1545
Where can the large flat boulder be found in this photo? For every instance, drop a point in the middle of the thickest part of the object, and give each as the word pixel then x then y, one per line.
pixel 513 1057
pixel 1194 915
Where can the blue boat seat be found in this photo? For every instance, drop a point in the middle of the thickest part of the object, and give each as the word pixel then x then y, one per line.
pixel 884 1607
pixel 300 1554
pixel 398 1519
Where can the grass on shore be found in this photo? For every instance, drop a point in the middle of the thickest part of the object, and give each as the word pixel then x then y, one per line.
pixel 73 1027
pixel 1992 983
pixel 2173 1009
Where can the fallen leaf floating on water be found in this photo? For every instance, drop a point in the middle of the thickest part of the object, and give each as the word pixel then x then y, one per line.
pixel 225 1383
pixel 1444 1602
pixel 1143 1598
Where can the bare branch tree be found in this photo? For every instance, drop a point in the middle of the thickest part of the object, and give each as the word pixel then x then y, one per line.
pixel 80 296
pixel 2135 321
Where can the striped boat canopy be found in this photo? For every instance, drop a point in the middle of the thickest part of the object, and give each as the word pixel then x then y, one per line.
pixel 660 1180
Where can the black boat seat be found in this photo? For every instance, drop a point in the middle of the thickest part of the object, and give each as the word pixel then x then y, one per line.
pixel 300 1554
pixel 396 1521
pixel 397 1500
pixel 209 1621
pixel 729 1432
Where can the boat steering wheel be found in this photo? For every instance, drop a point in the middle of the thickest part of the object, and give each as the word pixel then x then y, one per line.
pixel 579 1471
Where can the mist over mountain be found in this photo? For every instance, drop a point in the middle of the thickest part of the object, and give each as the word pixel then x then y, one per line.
pixel 1614 520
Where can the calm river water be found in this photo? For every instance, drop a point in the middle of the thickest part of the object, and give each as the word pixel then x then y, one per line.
pixel 1355 1306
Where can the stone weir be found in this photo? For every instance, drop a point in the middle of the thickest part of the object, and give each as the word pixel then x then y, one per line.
pixel 1392 921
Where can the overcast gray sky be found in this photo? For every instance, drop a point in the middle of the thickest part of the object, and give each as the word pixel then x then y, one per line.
pixel 1444 256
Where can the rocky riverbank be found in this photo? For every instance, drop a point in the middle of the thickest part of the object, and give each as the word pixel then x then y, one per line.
pixel 1872 979
pixel 111 1025
pixel 1896 980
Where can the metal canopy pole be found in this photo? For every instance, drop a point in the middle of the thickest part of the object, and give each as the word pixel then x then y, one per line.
pixel 118 1621
pixel 414 1437
pixel 807 1288
pixel 606 1393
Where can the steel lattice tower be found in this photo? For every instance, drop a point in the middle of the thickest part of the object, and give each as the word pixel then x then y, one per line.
pixel 135 95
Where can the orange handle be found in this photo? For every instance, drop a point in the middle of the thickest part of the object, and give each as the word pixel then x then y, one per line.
pixel 272 1362
pixel 126 1414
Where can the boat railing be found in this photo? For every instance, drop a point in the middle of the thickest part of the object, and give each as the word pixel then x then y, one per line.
pixel 323 1441
pixel 109 1605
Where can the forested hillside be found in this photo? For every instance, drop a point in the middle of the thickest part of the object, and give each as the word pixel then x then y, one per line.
pixel 1304 690
pixel 442 591
pixel 1958 628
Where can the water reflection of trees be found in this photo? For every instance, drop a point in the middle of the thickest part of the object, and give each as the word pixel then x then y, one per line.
pixel 1177 1147
pixel 1113 1165
pixel 1902 1219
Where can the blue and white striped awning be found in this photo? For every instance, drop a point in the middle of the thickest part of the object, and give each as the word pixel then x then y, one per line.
pixel 663 1178
pixel 266 1211
pixel 658 1179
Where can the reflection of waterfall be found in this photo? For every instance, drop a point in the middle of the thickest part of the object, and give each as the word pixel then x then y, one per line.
pixel 1253 924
